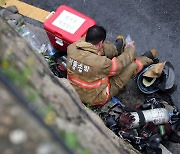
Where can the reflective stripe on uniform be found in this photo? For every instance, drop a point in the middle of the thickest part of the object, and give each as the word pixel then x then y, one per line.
pixel 96 84
pixel 87 85
pixel 114 67
pixel 91 85
pixel 140 66
pixel 107 96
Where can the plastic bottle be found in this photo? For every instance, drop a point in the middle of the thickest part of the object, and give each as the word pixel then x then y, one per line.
pixel 43 49
pixel 63 61
pixel 64 58
pixel 29 36
pixel 128 40
pixel 162 129
pixel 23 31
pixel 50 50
pixel 63 64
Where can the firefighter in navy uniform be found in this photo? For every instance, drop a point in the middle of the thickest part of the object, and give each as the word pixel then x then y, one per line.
pixel 98 70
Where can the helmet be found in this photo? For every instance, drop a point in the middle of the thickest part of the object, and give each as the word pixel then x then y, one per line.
pixel 168 77
pixel 164 81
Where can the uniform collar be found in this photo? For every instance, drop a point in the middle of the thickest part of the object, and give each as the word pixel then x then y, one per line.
pixel 86 46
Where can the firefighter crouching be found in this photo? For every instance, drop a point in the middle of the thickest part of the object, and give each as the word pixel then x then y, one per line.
pixel 98 70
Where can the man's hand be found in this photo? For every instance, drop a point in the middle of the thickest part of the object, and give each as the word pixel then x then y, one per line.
pixel 131 43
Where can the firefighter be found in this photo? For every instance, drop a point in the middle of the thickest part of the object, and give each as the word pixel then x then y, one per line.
pixel 98 70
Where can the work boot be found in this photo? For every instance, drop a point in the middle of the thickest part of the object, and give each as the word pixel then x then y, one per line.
pixel 120 43
pixel 146 59
pixel 152 54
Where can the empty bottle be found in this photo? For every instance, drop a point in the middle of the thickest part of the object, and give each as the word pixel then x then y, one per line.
pixel 43 49
pixel 51 50
pixel 64 59
pixel 29 36
pixel 128 40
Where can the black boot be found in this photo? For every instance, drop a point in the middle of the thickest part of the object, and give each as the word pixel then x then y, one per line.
pixel 120 43
pixel 152 54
